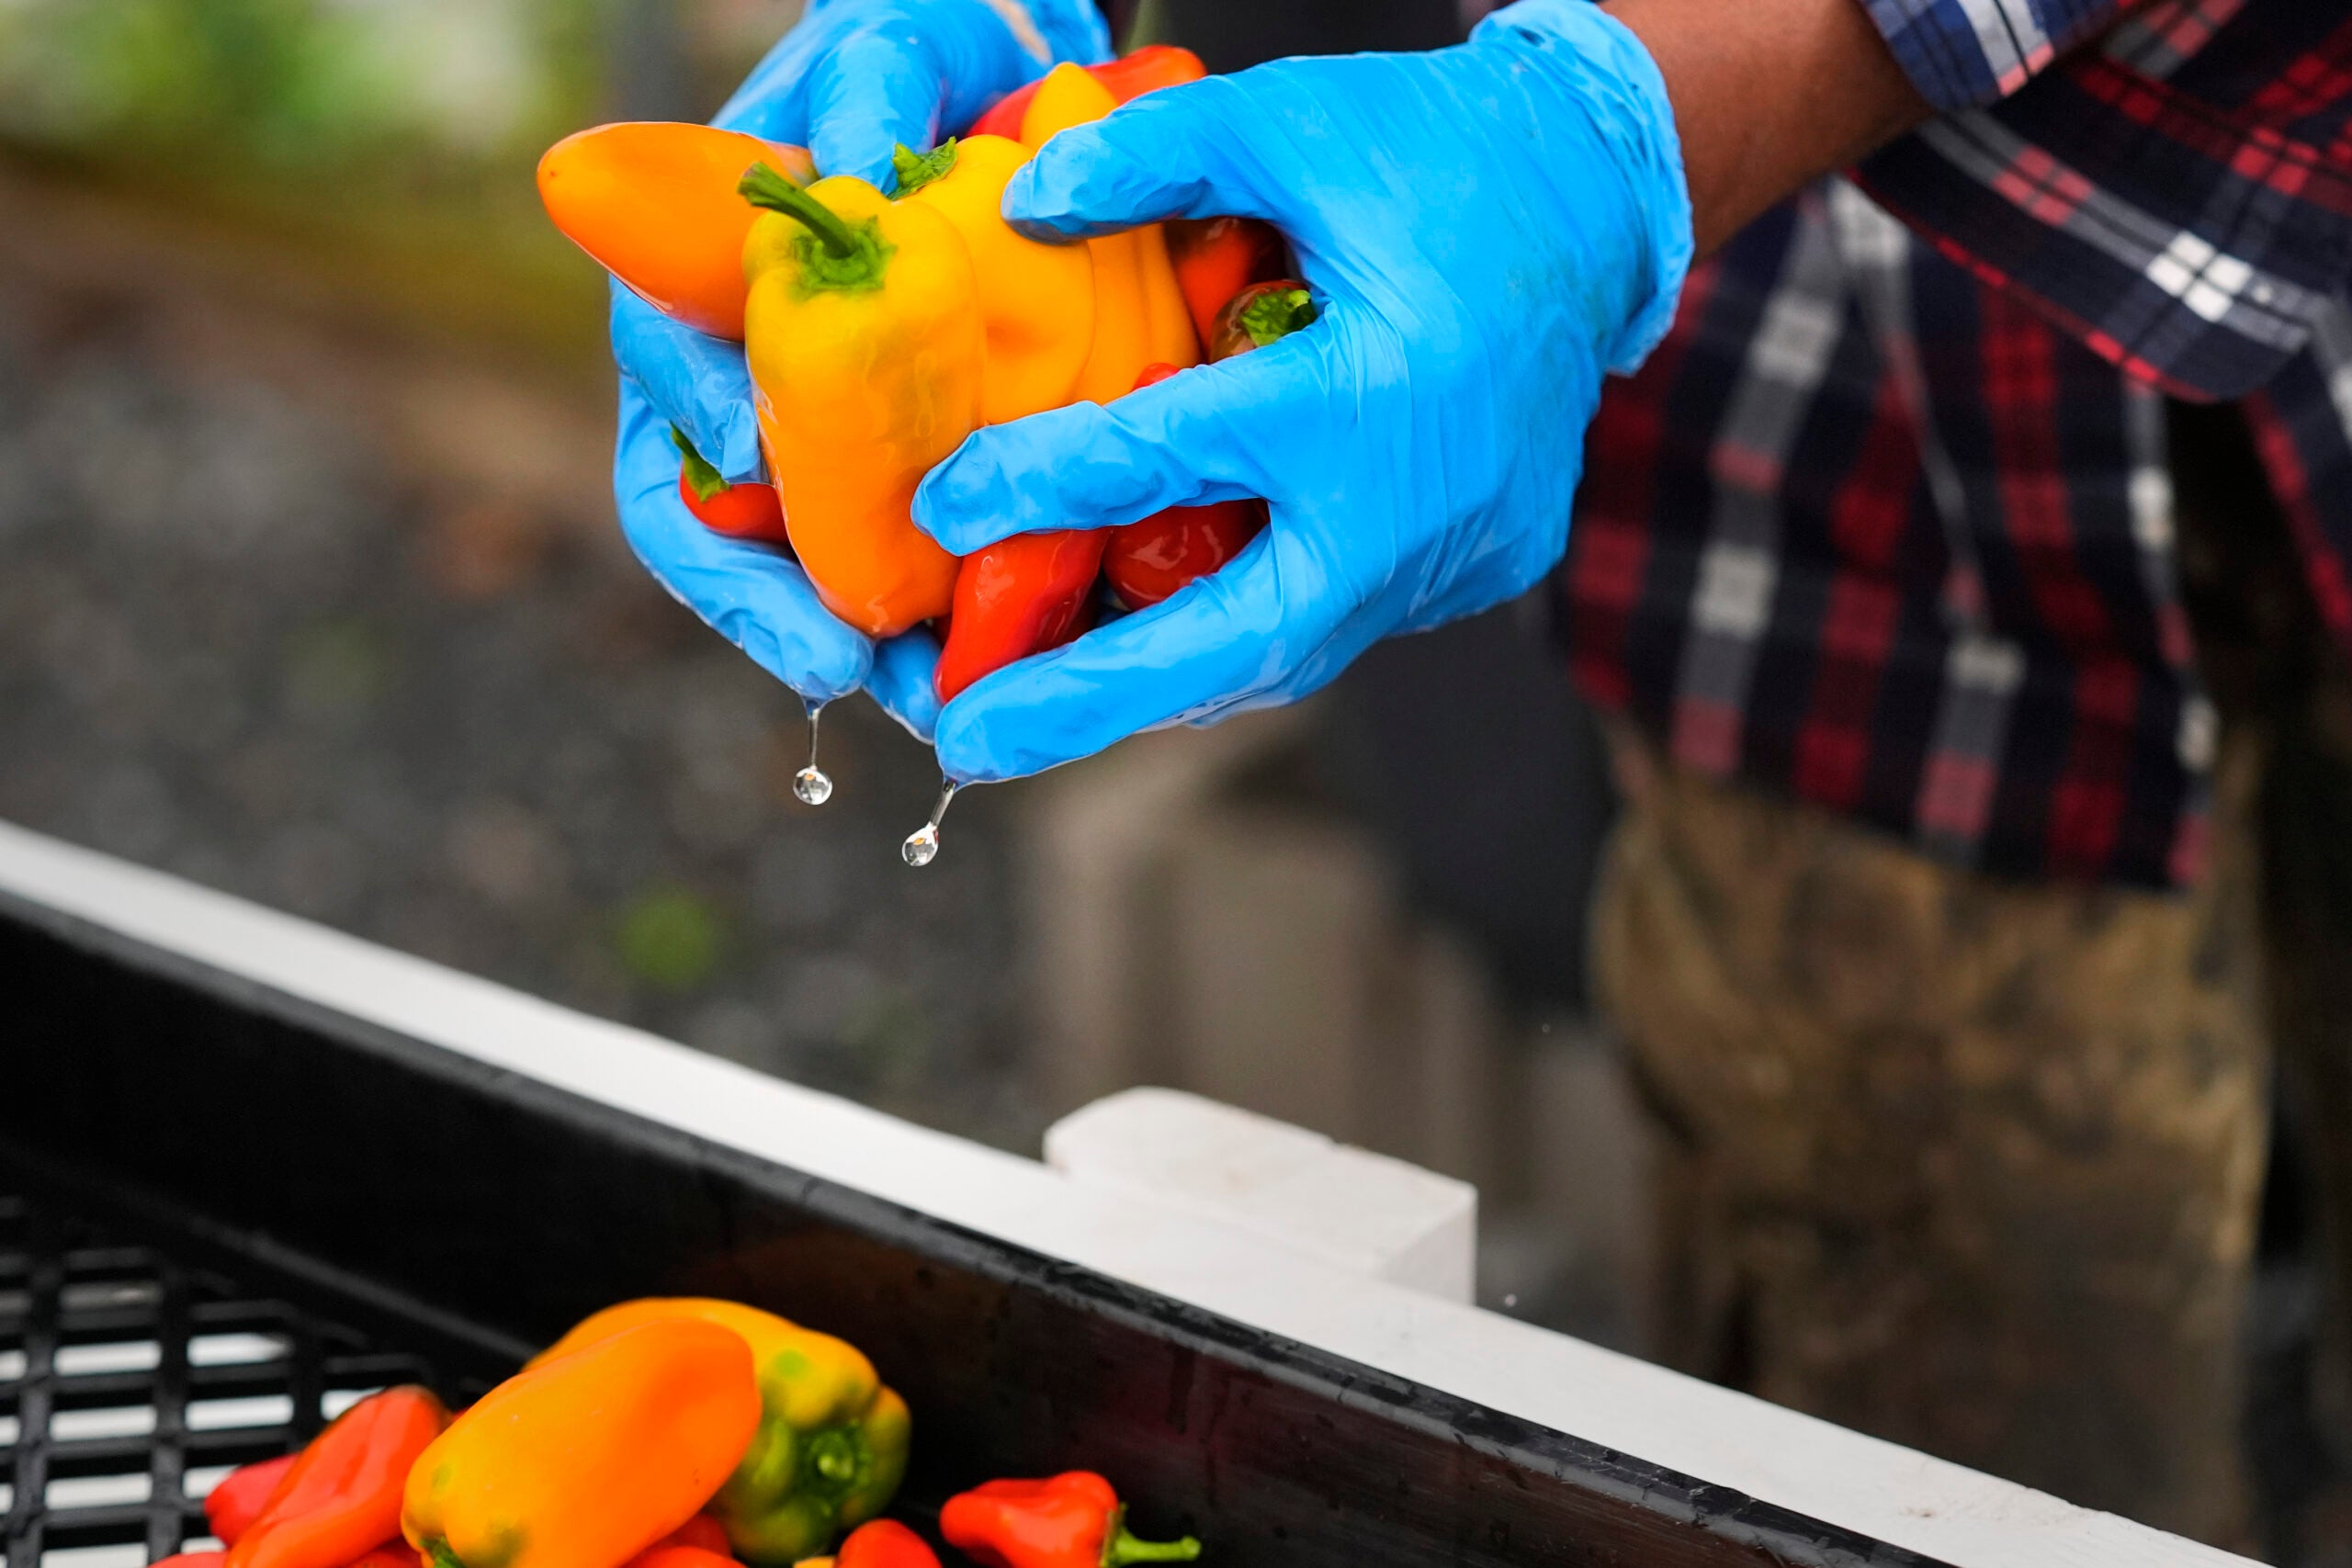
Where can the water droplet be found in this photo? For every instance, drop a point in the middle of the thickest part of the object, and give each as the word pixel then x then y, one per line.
pixel 811 785
pixel 923 845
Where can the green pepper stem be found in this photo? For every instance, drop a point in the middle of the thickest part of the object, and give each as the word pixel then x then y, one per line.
pixel 915 170
pixel 763 187
pixel 704 478
pixel 1276 314
pixel 1119 1548
pixel 442 1556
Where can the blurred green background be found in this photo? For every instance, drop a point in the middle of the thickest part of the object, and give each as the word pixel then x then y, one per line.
pixel 391 140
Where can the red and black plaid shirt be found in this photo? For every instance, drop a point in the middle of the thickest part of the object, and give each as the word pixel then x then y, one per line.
pixel 1885 524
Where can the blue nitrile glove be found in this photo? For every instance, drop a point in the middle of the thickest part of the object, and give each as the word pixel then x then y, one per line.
pixel 1486 228
pixel 850 82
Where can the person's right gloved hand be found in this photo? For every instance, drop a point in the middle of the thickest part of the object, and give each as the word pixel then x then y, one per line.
pixel 850 82
pixel 1486 228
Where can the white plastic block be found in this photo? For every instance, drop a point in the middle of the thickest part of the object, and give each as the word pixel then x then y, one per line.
pixel 1348 1208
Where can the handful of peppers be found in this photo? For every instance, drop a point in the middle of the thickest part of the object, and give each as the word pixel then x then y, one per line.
pixel 881 331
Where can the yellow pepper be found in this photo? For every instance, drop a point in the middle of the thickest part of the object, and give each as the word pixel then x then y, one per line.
pixel 864 336
pixel 584 1461
pixel 832 1441
pixel 1139 313
pixel 1036 300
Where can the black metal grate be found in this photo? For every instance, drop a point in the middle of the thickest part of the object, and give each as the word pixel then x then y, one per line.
pixel 130 1383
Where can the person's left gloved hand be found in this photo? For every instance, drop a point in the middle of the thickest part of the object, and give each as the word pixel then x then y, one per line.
pixel 1485 230
pixel 852 80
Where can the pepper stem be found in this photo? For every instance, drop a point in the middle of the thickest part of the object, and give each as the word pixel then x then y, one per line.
pixel 763 187
pixel 1276 314
pixel 916 170
pixel 1119 1548
pixel 706 481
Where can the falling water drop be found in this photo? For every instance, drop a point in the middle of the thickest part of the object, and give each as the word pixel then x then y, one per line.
pixel 811 784
pixel 923 845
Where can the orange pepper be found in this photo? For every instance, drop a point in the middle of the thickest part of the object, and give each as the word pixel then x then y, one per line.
pixel 1036 300
pixel 655 203
pixel 1139 313
pixel 1131 75
pixel 342 1495
pixel 584 1461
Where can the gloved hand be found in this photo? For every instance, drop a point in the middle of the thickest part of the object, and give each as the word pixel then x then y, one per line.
pixel 1485 229
pixel 850 82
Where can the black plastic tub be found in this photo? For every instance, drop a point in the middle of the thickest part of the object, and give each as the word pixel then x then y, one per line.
pixel 223 1208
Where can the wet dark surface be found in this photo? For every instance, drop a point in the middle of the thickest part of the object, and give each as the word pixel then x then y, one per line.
pixel 239 644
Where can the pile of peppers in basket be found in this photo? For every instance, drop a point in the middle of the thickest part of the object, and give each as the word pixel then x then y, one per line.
pixel 880 331
pixel 672 1433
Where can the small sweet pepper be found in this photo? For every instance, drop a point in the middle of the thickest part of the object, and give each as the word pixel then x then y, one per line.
pixel 585 1459
pixel 1216 258
pixel 1131 75
pixel 655 203
pixel 342 1496
pixel 883 1544
pixel 831 1444
pixel 864 335
pixel 1140 314
pixel 1019 596
pixel 747 511
pixel 1071 1520
pixel 1036 300
pixel 1151 558
pixel 237 1500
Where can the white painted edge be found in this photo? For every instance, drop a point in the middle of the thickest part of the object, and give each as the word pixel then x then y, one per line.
pixel 1877 1489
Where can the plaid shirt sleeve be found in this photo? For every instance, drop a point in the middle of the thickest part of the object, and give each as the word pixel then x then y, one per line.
pixel 1962 55
pixel 2168 182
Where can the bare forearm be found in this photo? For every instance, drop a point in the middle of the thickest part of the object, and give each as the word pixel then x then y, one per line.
pixel 1768 94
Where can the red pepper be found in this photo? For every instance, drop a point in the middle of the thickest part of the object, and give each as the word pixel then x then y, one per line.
pixel 740 512
pixel 700 1542
pixel 1073 1520
pixel 1150 559
pixel 1130 76
pixel 341 1498
pixel 1019 596
pixel 1216 258
pixel 667 1554
pixel 233 1505
pixel 191 1560
pixel 878 1543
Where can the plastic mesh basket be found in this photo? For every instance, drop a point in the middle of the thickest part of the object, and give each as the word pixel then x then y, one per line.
pixel 130 1383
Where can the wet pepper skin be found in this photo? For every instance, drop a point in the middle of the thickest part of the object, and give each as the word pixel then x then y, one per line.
pixel 585 1459
pixel 831 1444
pixel 1019 596
pixel 865 341
pixel 1036 300
pixel 1139 312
